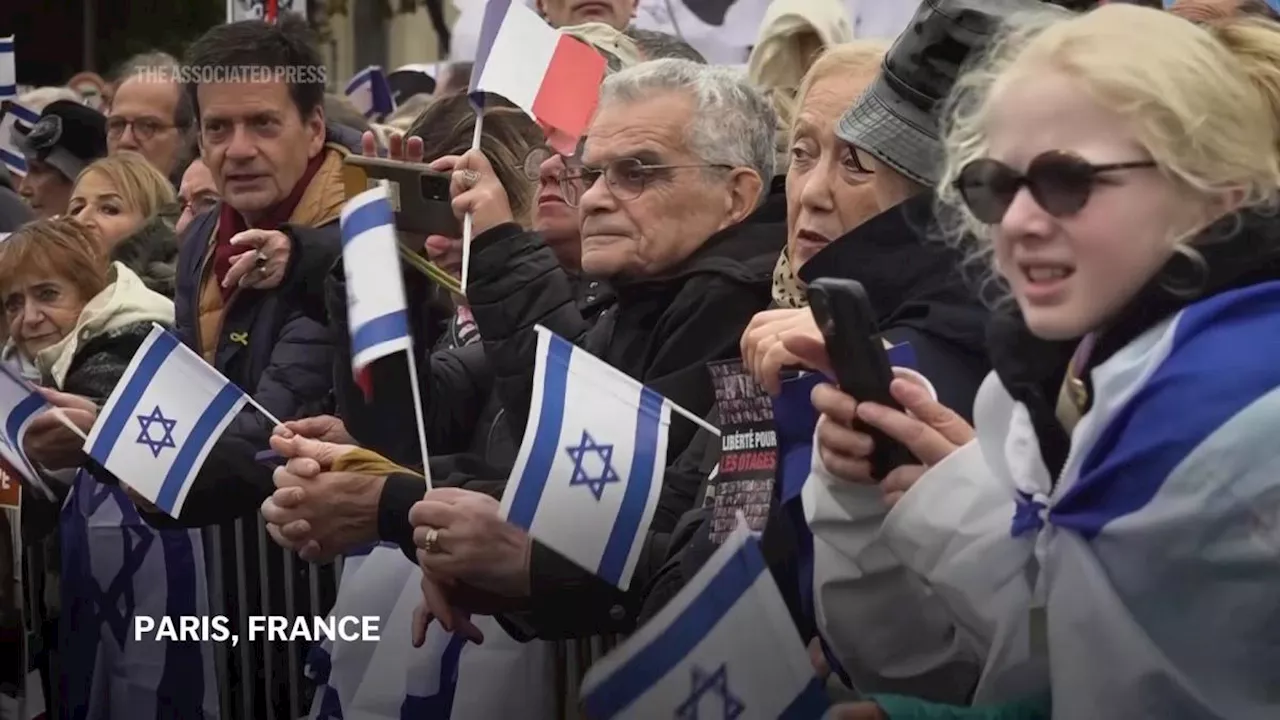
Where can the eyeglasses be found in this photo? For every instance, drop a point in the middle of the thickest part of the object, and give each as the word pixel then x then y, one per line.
pixel 1060 182
pixel 626 178
pixel 533 161
pixel 143 128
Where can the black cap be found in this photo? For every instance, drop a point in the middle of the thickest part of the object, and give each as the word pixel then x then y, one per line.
pixel 897 119
pixel 407 82
pixel 68 136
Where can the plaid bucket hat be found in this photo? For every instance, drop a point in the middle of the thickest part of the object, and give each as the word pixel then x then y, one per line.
pixel 896 119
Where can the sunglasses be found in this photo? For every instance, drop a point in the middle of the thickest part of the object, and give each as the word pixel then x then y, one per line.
pixel 1060 182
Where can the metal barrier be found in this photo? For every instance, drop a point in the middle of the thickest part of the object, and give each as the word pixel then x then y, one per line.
pixel 250 575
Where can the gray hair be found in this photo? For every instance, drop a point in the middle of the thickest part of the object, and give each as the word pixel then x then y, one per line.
pixel 657 45
pixel 184 116
pixel 733 123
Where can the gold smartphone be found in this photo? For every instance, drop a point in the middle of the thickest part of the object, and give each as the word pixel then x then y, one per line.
pixel 419 195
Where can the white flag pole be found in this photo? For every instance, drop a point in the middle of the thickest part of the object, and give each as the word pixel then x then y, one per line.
pixel 258 406
pixel 700 422
pixel 467 220
pixel 62 418
pixel 417 411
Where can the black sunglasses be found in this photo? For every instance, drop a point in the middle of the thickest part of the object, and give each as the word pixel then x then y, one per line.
pixel 1060 182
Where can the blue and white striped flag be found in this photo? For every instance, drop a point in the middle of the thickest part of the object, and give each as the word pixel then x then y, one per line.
pixel 13 115
pixel 19 405
pixel 8 70
pixel 588 474
pixel 370 92
pixel 377 312
pixel 160 422
pixel 725 647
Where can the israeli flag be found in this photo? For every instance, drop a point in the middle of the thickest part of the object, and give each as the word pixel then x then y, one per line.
pixel 370 92
pixel 587 477
pixel 14 116
pixel 8 70
pixel 377 312
pixel 166 412
pixel 725 647
pixel 19 405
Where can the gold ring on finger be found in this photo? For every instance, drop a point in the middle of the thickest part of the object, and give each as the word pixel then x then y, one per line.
pixel 431 541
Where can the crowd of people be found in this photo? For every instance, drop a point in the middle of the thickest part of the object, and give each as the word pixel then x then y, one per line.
pixel 1068 214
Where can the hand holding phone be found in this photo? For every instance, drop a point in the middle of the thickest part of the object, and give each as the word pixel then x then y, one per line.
pixel 845 318
pixel 419 195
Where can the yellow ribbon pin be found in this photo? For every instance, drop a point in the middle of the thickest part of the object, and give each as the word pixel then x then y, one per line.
pixel 240 338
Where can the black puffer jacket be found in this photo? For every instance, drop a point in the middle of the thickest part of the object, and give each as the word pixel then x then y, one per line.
pixel 919 296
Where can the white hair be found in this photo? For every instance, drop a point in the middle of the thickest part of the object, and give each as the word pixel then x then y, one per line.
pixel 36 100
pixel 733 123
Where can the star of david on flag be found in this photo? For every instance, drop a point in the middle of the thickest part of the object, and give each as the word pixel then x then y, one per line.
pixel 588 474
pixel 596 481
pixel 724 648
pixel 160 422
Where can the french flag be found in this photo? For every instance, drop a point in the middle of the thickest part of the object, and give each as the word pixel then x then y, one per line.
pixel 555 78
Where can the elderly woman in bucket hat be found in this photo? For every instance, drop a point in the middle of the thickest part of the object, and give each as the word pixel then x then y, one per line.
pixel 67 137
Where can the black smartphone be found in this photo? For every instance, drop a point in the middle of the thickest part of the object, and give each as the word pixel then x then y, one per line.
pixel 845 318
pixel 419 195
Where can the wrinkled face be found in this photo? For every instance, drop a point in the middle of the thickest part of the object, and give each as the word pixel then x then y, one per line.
pixel 40 312
pixel 45 189
pixel 198 193
pixel 255 142
pixel 651 220
pixel 1072 274
pixel 828 186
pixel 100 205
pixel 141 120
pixel 561 13
pixel 553 218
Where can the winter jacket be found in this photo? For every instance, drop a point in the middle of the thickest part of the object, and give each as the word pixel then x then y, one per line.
pixel 918 297
pixel 152 254
pixel 265 343
pixel 1125 564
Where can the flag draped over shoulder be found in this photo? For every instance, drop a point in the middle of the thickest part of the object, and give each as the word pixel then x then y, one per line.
pixel 163 417
pixel 588 474
pixel 377 312
pixel 553 77
pixel 115 567
pixel 724 647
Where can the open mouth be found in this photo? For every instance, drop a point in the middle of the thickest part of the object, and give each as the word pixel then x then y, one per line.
pixel 1041 279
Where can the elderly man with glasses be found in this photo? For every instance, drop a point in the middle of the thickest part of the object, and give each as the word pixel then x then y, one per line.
pixel 675 212
pixel 151 115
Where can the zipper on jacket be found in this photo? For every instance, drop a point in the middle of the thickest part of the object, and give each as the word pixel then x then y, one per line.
pixel 226 304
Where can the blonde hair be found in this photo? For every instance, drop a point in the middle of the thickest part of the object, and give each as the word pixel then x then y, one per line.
pixel 137 181
pixel 1204 101
pixel 851 58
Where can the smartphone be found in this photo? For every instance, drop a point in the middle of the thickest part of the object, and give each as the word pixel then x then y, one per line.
pixel 845 318
pixel 419 195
